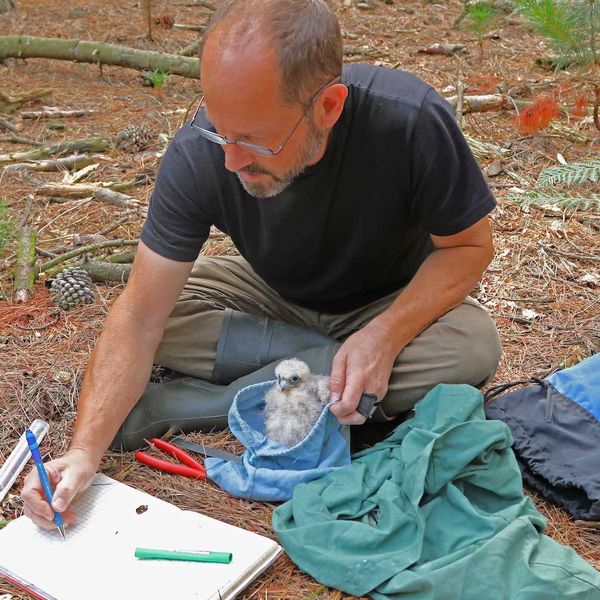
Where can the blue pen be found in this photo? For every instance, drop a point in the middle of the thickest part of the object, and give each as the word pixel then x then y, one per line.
pixel 39 463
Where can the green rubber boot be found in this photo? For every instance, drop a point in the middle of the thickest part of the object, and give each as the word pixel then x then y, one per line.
pixel 190 404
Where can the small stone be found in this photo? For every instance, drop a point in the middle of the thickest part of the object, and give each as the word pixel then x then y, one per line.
pixel 62 377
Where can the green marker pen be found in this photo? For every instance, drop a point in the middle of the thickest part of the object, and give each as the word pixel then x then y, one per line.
pixel 203 556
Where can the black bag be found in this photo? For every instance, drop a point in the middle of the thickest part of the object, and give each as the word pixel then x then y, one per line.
pixel 555 424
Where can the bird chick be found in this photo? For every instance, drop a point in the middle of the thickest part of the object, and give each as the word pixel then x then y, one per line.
pixel 293 405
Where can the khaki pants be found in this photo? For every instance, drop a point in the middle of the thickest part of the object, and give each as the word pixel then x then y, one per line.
pixel 462 346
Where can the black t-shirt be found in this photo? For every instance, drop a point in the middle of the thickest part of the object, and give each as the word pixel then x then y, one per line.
pixel 350 229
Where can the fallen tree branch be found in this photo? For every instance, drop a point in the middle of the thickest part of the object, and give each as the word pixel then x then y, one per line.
pixel 24 274
pixel 81 190
pixel 84 250
pixel 57 164
pixel 110 196
pixel 187 27
pixel 492 102
pixel 6 125
pixel 24 46
pixel 9 104
pixel 19 139
pixel 122 258
pixel 55 113
pixel 83 145
pixel 191 49
pixel 104 271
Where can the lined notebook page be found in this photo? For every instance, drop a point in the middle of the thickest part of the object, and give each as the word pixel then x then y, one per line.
pixel 96 561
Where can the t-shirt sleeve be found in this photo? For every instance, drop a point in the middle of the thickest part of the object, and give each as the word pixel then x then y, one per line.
pixel 449 192
pixel 178 221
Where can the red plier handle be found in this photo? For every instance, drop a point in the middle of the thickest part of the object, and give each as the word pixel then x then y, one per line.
pixel 191 468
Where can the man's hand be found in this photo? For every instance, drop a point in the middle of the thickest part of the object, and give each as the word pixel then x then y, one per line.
pixel 362 364
pixel 69 475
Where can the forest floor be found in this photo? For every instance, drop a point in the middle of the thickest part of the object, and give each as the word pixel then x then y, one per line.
pixel 541 289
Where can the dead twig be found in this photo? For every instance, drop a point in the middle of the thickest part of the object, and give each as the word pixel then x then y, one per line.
pixel 55 113
pixel 574 255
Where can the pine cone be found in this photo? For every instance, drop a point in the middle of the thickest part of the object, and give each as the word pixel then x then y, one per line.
pixel 72 287
pixel 134 138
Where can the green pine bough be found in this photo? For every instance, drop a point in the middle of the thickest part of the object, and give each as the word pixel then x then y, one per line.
pixel 572 28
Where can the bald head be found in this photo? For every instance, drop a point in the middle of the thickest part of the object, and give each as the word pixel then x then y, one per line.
pixel 295 43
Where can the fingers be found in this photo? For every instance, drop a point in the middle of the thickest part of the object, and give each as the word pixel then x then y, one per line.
pixel 337 379
pixel 66 490
pixel 66 484
pixel 345 409
pixel 35 505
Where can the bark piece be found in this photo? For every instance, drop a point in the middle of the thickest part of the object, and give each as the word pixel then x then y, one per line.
pixel 444 48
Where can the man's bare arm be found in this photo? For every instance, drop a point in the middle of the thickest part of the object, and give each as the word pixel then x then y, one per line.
pixel 115 377
pixel 444 280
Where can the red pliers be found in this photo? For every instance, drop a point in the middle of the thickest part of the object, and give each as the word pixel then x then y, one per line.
pixel 193 469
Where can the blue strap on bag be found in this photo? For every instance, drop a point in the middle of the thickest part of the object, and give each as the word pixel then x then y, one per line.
pixel 555 424
pixel 269 471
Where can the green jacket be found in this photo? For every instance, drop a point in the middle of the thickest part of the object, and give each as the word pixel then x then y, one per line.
pixel 434 512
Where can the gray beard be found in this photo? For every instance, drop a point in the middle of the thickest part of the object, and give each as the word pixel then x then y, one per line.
pixel 281 182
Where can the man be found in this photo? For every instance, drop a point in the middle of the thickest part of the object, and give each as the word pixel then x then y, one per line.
pixel 360 214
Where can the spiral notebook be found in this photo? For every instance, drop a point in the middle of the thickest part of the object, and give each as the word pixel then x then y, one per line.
pixel 96 561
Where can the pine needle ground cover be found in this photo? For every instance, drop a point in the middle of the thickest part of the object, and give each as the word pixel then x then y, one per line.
pixel 542 288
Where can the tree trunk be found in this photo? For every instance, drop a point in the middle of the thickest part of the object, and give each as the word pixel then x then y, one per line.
pixel 25 46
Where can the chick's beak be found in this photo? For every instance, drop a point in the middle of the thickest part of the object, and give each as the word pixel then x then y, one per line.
pixel 283 383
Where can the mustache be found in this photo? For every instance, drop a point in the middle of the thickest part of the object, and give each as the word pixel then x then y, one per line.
pixel 258 170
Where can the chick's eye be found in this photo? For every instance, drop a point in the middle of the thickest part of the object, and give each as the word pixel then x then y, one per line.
pixel 295 378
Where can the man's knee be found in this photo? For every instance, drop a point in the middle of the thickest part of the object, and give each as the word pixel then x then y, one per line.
pixel 471 334
pixel 463 346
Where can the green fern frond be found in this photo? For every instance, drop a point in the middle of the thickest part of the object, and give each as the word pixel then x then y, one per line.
pixel 557 199
pixel 569 175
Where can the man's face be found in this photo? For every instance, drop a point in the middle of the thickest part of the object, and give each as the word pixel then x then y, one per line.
pixel 263 180
pixel 244 103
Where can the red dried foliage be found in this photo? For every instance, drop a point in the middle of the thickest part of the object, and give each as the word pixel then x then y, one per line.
pixel 482 84
pixel 164 22
pixel 537 115
pixel 579 107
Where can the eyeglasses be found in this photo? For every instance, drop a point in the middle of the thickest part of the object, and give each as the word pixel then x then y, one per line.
pixel 255 148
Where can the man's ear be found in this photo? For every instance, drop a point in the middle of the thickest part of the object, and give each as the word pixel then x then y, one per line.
pixel 330 104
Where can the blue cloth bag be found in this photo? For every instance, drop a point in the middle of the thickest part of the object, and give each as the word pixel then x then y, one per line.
pixel 269 471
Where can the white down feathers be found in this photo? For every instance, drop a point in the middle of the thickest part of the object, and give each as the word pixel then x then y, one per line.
pixel 294 403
